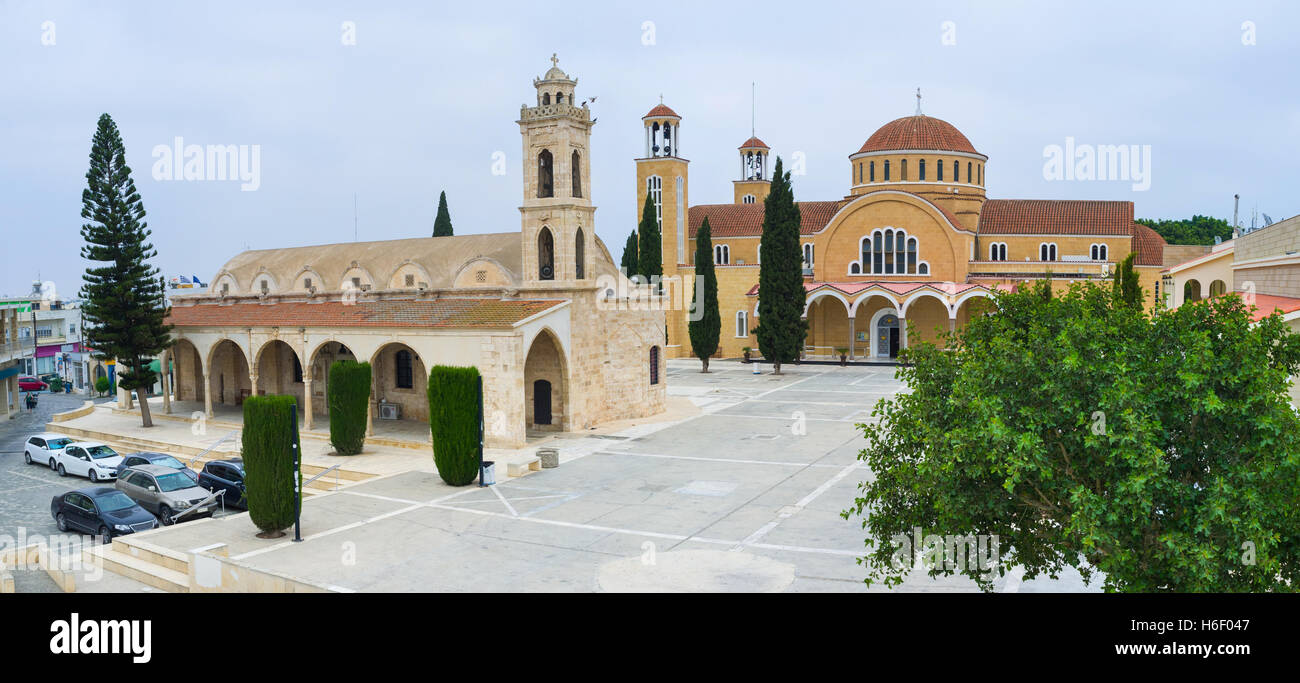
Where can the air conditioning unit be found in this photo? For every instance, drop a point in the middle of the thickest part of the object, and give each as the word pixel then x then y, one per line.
pixel 390 411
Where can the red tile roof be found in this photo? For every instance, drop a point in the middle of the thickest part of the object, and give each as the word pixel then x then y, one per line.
pixel 408 313
pixel 660 110
pixel 739 220
pixel 754 143
pixel 918 132
pixel 1055 217
pixel 1267 304
pixel 1149 245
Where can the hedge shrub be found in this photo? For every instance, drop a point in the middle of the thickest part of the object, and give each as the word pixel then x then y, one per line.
pixel 454 422
pixel 349 400
pixel 102 385
pixel 269 428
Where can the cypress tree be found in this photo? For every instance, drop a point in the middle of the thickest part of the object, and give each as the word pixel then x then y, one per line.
pixel 272 495
pixel 348 397
pixel 124 301
pixel 442 224
pixel 650 249
pixel 631 262
pixel 781 328
pixel 454 426
pixel 1124 283
pixel 705 324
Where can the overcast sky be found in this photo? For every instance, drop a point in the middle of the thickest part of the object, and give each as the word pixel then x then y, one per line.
pixel 431 90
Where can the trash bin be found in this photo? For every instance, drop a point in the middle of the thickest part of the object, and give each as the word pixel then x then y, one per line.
pixel 488 474
pixel 550 457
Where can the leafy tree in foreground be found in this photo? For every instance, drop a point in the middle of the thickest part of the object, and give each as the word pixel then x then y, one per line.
pixel 268 436
pixel 123 299
pixel 348 398
pixel 781 328
pixel 442 224
pixel 454 422
pixel 650 250
pixel 631 262
pixel 704 331
pixel 1159 453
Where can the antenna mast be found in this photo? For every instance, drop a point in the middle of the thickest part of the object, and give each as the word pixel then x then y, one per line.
pixel 753 106
pixel 354 216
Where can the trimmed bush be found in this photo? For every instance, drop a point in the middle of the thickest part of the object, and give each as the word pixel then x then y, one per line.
pixel 454 422
pixel 348 399
pixel 268 437
pixel 102 385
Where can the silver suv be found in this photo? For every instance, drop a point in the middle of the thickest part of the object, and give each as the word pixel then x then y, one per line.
pixel 166 492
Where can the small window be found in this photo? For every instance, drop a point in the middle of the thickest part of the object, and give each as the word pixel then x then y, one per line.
pixel 748 199
pixel 808 255
pixel 225 288
pixel 721 254
pixel 356 283
pixel 871 172
pixel 920 170
pixel 886 170
pixel 938 169
pixel 405 377
pixel 410 280
pixel 654 364
pixel 742 323
pixel 266 286
pixel 306 283
pixel 1047 251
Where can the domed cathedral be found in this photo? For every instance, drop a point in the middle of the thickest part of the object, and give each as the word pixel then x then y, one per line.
pixel 915 242
pixel 530 309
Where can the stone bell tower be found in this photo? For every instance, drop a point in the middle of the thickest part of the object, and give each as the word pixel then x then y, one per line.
pixel 558 218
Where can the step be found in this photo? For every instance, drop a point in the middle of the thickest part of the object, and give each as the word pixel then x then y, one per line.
pixel 154 554
pixel 139 570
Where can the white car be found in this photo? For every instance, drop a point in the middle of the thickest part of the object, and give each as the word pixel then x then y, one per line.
pixel 42 448
pixel 88 459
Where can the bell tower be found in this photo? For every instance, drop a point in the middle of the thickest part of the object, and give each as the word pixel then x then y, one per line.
pixel 662 174
pixel 557 215
pixel 754 183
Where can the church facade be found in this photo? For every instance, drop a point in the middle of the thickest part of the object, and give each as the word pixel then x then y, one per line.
pixel 524 307
pixel 913 243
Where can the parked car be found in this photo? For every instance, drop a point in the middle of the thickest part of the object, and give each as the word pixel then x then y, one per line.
pixel 41 448
pixel 165 492
pixel 100 510
pixel 29 383
pixel 151 458
pixel 87 459
pixel 228 476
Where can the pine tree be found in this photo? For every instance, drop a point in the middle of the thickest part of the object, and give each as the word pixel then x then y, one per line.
pixel 124 302
pixel 631 262
pixel 650 250
pixel 781 328
pixel 1124 283
pixel 705 330
pixel 442 224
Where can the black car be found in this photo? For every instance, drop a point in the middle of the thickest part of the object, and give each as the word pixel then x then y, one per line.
pixel 151 458
pixel 228 476
pixel 100 510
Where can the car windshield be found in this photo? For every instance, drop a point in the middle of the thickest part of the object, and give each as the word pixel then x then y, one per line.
pixel 114 501
pixel 174 482
pixel 101 452
pixel 166 461
pixel 55 444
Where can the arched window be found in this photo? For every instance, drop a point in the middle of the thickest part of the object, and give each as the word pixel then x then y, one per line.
pixel 860 165
pixel 886 170
pixel 545 255
pixel 654 364
pixel 968 175
pixel 980 177
pixel 956 174
pixel 654 186
pixel 1192 291
pixel 808 255
pixel 546 98
pixel 1047 251
pixel 748 199
pixel 575 164
pixel 1101 249
pixel 902 170
pixel 559 98
pixel 920 170
pixel 871 175
pixel 405 378
pixel 721 254
pixel 938 169
pixel 742 323
pixel 890 251
pixel 998 251
pixel 579 255
pixel 545 178
pixel 1218 288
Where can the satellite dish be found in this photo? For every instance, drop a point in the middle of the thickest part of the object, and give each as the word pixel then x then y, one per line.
pixel 1268 220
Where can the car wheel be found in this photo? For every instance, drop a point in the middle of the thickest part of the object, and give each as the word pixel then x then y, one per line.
pixel 165 515
pixel 105 537
pixel 62 472
pixel 61 521
pixel 53 465
pixel 94 478
pixel 28 457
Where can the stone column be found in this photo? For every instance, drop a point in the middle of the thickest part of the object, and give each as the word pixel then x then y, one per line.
pixel 207 393
pixel 851 342
pixel 370 416
pixel 252 380
pixel 902 332
pixel 164 360
pixel 308 420
pixel 11 398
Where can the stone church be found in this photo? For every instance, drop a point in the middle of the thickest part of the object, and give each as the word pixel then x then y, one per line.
pixel 532 310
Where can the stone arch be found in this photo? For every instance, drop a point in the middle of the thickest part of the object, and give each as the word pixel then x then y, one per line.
pixel 279 370
pixel 417 273
pixel 358 271
pixel 874 292
pixel 878 348
pixel 978 293
pixel 848 307
pixel 828 322
pixel 399 376
pixel 546 383
pixel 1218 288
pixel 318 367
pixel 267 278
pixel 227 279
pixel 545 254
pixel 187 371
pixel 927 317
pixel 228 377
pixel 545 174
pixel 1192 290
pixel 579 255
pixel 299 280
pixel 923 294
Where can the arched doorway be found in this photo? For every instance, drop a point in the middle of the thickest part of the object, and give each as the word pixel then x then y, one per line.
pixel 545 404
pixel 886 334
pixel 228 377
pixel 1191 291
pixel 828 325
pixel 399 385
pixel 187 371
pixel 319 369
pixel 1218 288
pixel 279 371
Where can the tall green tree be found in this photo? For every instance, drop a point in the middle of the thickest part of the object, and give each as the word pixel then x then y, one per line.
pixel 1195 230
pixel 781 328
pixel 1124 283
pixel 650 249
pixel 124 301
pixel 631 262
pixel 273 493
pixel 1157 452
pixel 442 224
pixel 705 324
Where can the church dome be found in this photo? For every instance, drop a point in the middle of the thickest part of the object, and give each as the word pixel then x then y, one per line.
pixel 918 132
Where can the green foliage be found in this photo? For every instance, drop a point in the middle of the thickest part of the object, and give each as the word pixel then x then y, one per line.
pixel 1198 230
pixel 781 328
pixel 705 331
pixel 454 422
pixel 442 224
pixel 56 385
pixel 1124 283
pixel 631 262
pixel 123 298
pixel 650 248
pixel 1159 452
pixel 269 434
pixel 348 397
pixel 102 385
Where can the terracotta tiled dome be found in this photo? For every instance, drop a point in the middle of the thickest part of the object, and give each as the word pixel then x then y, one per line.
pixel 660 111
pixel 918 132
